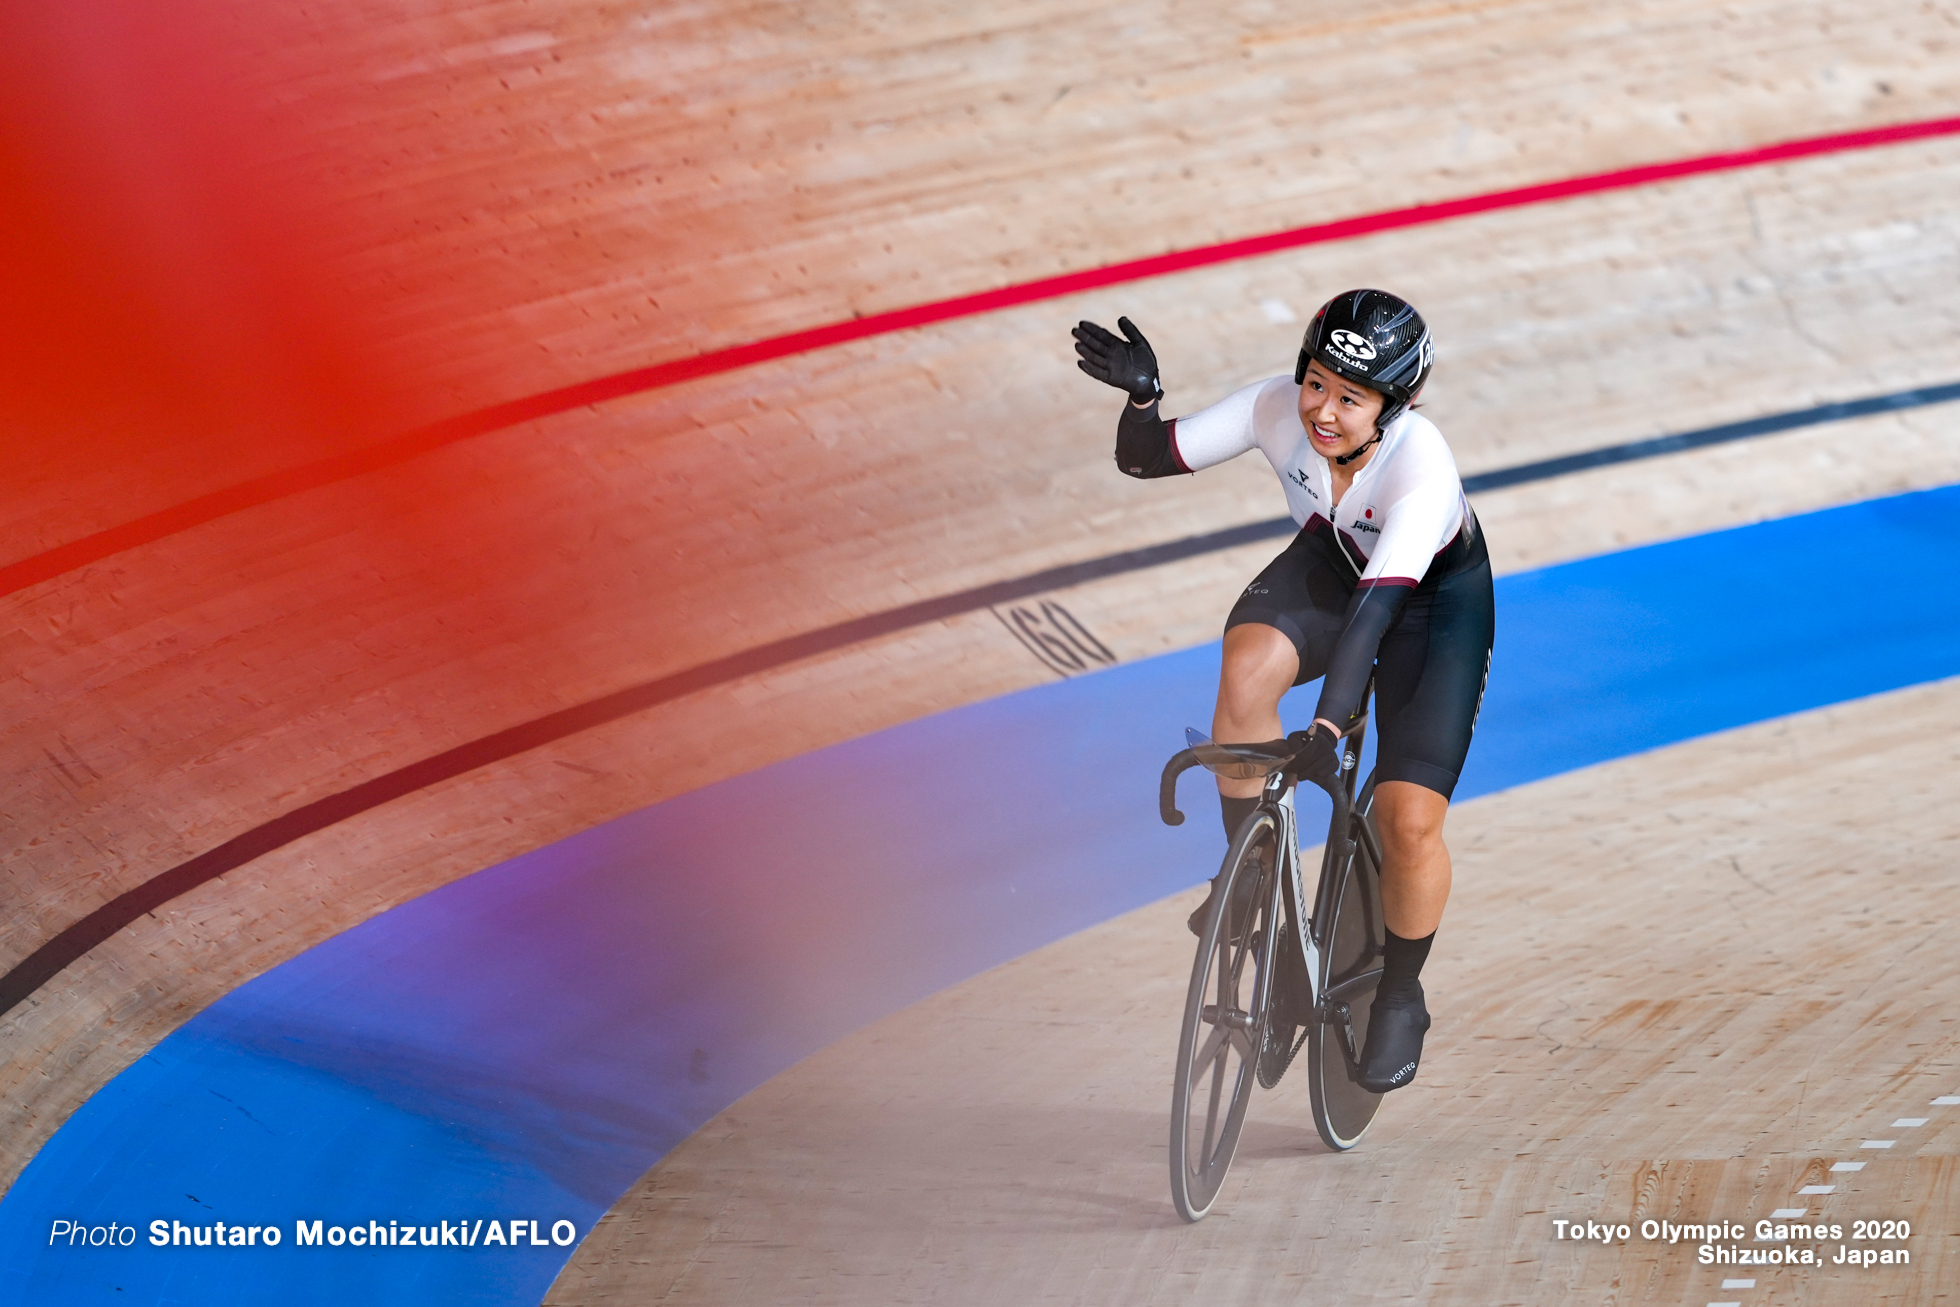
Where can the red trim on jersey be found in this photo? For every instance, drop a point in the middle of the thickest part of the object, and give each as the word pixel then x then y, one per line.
pixel 1170 429
pixel 1371 583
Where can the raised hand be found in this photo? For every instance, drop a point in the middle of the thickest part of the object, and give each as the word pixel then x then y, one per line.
pixel 1126 362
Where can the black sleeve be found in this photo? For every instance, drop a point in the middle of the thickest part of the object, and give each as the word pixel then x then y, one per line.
pixel 1370 613
pixel 1145 445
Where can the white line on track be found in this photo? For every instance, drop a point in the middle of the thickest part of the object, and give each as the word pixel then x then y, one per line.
pixel 1818 1189
pixel 1787 1213
pixel 1909 1121
pixel 1847 1166
pixel 1738 1284
pixel 1878 1143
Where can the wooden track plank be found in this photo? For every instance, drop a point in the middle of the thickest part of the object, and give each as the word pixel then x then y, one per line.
pixel 172 697
pixel 1676 986
pixel 610 547
pixel 527 196
pixel 384 621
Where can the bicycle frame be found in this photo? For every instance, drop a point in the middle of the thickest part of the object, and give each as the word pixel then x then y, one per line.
pixel 1336 948
pixel 1345 834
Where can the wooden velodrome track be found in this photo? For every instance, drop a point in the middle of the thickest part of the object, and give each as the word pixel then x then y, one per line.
pixel 610 190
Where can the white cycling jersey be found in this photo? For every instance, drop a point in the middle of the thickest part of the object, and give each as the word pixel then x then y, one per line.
pixel 1404 507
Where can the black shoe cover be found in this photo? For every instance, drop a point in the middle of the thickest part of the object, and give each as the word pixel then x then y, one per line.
pixel 1394 1047
pixel 1243 905
pixel 1196 921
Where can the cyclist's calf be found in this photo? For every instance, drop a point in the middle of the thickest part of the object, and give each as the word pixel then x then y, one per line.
pixel 1415 863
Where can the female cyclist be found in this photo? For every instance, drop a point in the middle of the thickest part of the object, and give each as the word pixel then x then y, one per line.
pixel 1388 575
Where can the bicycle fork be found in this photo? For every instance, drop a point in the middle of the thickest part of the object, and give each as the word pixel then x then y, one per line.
pixel 1324 1007
pixel 1295 890
pixel 1328 1007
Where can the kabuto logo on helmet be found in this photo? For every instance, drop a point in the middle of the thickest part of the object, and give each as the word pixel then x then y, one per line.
pixel 1374 339
pixel 1359 348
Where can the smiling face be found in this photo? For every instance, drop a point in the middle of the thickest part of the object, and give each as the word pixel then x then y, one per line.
pixel 1339 414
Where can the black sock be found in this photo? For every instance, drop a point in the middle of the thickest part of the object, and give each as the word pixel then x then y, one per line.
pixel 1402 961
pixel 1235 811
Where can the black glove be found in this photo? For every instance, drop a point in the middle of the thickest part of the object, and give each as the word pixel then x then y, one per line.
pixel 1127 363
pixel 1319 759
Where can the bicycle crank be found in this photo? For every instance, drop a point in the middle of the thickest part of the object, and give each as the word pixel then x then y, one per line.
pixel 1339 1014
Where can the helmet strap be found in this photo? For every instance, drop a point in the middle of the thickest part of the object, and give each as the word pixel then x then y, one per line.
pixel 1359 450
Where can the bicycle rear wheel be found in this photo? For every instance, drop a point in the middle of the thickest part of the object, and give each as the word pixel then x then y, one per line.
pixel 1224 1015
pixel 1350 970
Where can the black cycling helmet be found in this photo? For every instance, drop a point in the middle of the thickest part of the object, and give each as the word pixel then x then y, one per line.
pixel 1374 339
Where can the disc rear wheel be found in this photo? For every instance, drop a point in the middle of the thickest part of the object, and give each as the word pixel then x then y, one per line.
pixel 1350 970
pixel 1224 1016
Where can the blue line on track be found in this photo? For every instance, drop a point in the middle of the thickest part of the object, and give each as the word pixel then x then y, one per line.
pixel 524 1043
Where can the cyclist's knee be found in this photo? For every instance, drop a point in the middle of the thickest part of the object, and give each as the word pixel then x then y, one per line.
pixel 1409 818
pixel 1241 702
pixel 1258 668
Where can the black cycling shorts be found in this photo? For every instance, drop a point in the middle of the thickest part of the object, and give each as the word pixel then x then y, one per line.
pixel 1432 663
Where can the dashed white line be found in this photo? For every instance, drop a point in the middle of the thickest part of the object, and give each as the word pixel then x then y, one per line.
pixel 1790 1213
pixel 1724 1304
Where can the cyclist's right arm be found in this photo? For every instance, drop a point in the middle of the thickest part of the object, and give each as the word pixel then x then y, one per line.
pixel 1147 446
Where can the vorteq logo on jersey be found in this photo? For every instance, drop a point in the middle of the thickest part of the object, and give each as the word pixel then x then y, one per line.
pixel 1353 345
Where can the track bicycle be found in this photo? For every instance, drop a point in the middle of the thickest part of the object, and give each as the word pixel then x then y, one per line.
pixel 1271 978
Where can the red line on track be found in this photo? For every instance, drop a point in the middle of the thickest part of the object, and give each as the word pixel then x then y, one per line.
pixel 145 530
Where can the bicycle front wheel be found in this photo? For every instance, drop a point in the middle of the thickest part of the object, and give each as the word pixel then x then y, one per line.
pixel 1224 1015
pixel 1351 952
